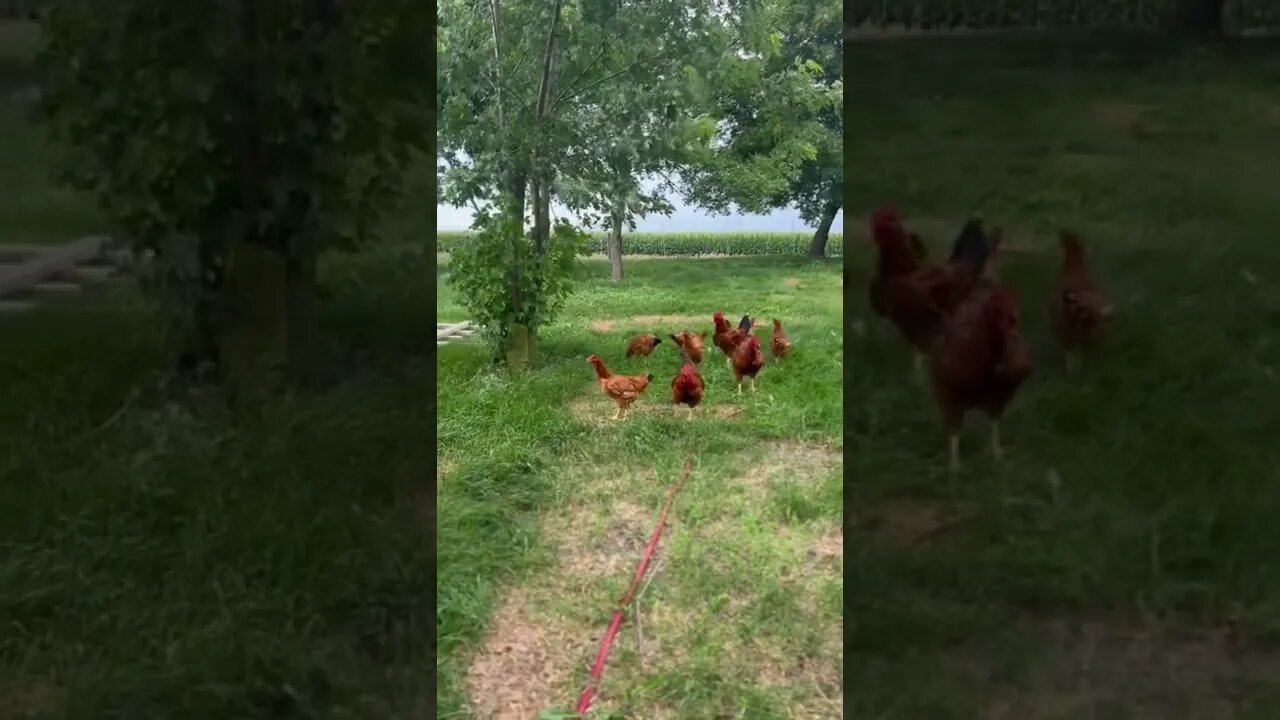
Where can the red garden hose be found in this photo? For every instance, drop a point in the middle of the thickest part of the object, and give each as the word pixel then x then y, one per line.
pixel 593 681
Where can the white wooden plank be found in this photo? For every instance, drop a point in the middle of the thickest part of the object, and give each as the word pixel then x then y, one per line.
pixel 450 330
pixel 18 277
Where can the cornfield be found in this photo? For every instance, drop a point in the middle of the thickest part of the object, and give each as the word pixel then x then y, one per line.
pixel 989 14
pixel 693 244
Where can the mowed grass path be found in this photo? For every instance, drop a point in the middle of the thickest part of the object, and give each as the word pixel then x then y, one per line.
pixel 1123 562
pixel 545 507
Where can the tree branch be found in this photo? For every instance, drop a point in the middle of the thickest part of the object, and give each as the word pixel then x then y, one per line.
pixel 611 76
pixel 571 85
pixel 495 17
pixel 544 85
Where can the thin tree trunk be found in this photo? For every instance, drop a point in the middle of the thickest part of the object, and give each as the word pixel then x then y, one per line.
pixel 615 242
pixel 254 327
pixel 818 246
pixel 521 349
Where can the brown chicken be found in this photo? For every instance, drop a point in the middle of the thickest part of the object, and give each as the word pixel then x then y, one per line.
pixel 895 255
pixel 623 389
pixel 781 343
pixel 642 345
pixel 979 361
pixel 748 360
pixel 1079 311
pixel 686 386
pixel 690 344
pixel 728 338
pixel 919 301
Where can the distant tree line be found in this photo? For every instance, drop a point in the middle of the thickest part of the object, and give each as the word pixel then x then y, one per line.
pixel 1211 17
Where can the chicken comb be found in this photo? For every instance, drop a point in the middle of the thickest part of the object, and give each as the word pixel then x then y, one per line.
pixel 885 218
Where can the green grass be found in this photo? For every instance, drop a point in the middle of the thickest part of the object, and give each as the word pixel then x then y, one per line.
pixel 36 209
pixel 162 556
pixel 685 244
pixel 545 505
pixel 1138 501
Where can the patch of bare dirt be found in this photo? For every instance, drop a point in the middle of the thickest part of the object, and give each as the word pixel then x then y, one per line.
pixel 1121 114
pixel 791 282
pixel 1111 669
pixel 909 523
pixel 28 696
pixel 829 546
pixel 602 546
pixel 649 322
pixel 789 460
pixel 524 663
pixel 818 679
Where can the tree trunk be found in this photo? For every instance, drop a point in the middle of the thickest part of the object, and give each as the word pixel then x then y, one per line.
pixel 818 246
pixel 255 329
pixel 303 320
pixel 1201 17
pixel 615 243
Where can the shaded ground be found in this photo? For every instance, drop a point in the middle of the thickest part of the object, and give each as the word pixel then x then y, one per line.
pixel 1118 565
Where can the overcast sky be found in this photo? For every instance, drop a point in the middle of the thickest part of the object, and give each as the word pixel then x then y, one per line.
pixel 684 219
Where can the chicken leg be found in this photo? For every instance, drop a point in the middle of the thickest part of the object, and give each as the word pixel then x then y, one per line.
pixel 997 452
pixel 753 384
pixel 917 367
pixel 953 464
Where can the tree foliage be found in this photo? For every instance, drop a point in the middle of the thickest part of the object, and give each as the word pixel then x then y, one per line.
pixel 779 100
pixel 199 124
pixel 571 100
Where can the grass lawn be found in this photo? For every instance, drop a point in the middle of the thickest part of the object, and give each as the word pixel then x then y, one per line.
pixel 1122 562
pixel 545 506
pixel 162 557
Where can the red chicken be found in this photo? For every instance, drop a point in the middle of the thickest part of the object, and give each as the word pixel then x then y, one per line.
pixel 978 362
pixel 895 255
pixel 1079 311
pixel 919 301
pixel 622 389
pixel 642 345
pixel 728 338
pixel 780 344
pixel 686 386
pixel 690 343
pixel 748 360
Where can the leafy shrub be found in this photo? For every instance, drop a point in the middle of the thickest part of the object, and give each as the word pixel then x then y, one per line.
pixel 687 244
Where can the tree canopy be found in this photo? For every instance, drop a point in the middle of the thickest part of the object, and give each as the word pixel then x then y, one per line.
pixel 779 99
pixel 206 124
